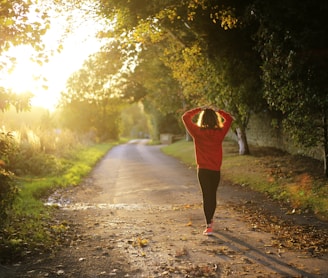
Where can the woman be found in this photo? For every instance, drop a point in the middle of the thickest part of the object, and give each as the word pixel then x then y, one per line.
pixel 208 135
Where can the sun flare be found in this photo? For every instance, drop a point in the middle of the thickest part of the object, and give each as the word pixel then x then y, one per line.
pixel 48 80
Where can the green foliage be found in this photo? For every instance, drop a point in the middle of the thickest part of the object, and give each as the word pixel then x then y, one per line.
pixel 161 88
pixel 8 188
pixel 192 70
pixel 17 26
pixel 20 102
pixel 134 122
pixel 209 46
pixel 36 152
pixel 29 162
pixel 8 192
pixel 162 97
pixel 292 40
pixel 92 100
pixel 207 50
pixel 100 120
pixel 295 65
pixel 160 122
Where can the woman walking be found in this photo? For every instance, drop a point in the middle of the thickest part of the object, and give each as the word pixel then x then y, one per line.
pixel 208 134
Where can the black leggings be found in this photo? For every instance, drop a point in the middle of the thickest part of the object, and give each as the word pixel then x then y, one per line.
pixel 209 181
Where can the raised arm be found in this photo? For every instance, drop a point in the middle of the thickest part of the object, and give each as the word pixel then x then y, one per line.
pixel 227 120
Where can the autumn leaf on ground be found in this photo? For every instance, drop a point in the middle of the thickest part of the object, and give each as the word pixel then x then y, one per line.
pixel 141 242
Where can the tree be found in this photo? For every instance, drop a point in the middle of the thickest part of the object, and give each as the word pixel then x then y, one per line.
pixel 162 94
pixel 92 99
pixel 227 67
pixel 100 120
pixel 293 40
pixel 21 102
pixel 210 48
pixel 17 26
pixel 209 52
pixel 26 22
pixel 134 122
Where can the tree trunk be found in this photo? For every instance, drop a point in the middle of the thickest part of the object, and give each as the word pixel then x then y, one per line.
pixel 242 141
pixel 188 137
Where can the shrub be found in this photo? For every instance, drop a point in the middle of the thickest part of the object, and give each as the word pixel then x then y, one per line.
pixel 35 163
pixel 8 189
pixel 39 152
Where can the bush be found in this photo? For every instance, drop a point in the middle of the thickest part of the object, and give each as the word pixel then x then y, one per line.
pixel 35 164
pixel 8 189
pixel 39 153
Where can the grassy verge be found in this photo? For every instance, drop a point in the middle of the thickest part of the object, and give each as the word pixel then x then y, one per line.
pixel 30 225
pixel 295 180
pixel 79 164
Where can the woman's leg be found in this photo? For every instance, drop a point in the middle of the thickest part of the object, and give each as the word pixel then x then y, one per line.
pixel 209 182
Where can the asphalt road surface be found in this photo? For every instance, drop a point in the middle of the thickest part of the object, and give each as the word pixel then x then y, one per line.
pixel 136 173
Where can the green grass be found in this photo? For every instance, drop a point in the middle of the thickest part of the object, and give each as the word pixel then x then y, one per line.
pixel 182 150
pixel 30 221
pixel 80 164
pixel 269 173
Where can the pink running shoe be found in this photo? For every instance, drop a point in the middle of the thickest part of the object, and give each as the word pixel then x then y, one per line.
pixel 208 231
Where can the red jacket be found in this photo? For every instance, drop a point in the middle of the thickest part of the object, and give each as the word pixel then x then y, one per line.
pixel 208 142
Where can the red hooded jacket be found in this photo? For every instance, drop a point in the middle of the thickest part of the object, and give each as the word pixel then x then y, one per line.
pixel 208 142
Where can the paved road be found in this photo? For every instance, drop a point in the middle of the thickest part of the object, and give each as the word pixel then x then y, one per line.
pixel 136 176
pixel 139 214
pixel 139 173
